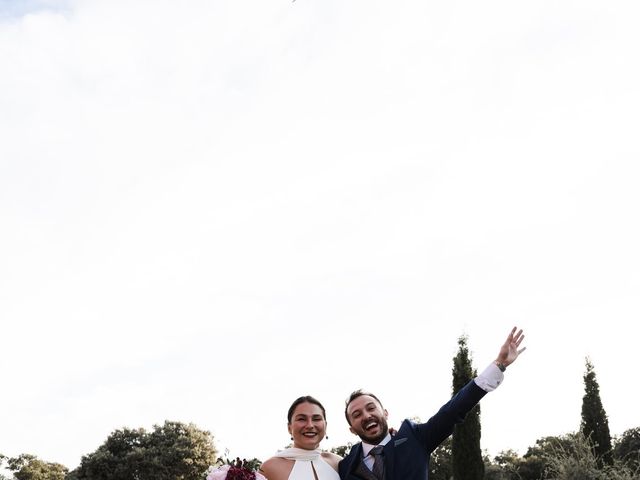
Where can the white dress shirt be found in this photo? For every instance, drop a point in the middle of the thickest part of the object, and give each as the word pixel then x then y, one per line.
pixel 490 378
pixel 366 448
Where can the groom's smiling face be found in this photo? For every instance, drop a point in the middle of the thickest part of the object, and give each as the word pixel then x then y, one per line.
pixel 367 419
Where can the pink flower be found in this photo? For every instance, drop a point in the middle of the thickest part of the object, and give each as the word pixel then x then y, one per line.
pixel 235 470
pixel 219 473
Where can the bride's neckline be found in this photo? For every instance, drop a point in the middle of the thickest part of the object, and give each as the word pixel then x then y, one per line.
pixel 294 453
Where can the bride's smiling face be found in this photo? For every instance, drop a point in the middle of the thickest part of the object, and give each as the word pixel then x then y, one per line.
pixel 307 426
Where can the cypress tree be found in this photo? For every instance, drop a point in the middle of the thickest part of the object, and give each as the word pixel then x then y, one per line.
pixel 595 425
pixel 466 455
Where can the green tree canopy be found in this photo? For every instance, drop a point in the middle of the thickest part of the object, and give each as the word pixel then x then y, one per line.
pixel 173 451
pixel 627 448
pixel 534 462
pixel 503 467
pixel 30 467
pixel 578 461
pixel 342 450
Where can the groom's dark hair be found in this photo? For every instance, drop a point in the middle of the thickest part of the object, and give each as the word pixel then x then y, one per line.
pixel 304 399
pixel 353 396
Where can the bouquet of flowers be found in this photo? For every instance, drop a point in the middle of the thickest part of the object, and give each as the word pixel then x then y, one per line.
pixel 235 470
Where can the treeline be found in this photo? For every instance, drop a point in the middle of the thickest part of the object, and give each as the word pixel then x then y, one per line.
pixel 168 452
pixel 587 454
pixel 178 451
pixel 566 457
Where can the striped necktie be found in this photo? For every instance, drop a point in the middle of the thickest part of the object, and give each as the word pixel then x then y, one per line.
pixel 378 462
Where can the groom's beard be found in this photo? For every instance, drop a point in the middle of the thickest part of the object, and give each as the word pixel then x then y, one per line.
pixel 375 439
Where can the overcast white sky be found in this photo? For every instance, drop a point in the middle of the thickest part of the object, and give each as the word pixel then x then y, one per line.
pixel 211 208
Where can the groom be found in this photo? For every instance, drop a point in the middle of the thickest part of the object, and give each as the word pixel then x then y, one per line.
pixel 405 455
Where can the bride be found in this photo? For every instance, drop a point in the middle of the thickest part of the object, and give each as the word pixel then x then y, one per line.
pixel 307 424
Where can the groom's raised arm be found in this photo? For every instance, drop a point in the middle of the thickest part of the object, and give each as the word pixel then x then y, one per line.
pixel 440 426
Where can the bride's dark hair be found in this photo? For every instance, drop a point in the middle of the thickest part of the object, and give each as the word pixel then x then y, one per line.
pixel 304 399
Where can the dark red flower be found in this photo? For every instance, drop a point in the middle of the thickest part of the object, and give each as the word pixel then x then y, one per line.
pixel 240 473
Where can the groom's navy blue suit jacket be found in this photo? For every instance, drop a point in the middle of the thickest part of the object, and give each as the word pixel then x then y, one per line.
pixel 406 456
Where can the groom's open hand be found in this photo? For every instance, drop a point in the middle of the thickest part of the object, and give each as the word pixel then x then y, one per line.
pixel 509 350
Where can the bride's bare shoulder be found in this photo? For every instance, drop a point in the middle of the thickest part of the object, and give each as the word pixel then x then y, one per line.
pixel 332 459
pixel 276 468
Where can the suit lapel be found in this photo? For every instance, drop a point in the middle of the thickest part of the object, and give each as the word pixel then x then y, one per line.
pixel 389 461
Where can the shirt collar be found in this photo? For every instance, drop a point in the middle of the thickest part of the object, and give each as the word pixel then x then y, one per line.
pixel 366 447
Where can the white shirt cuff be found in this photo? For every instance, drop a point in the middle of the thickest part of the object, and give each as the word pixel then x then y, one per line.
pixel 490 378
